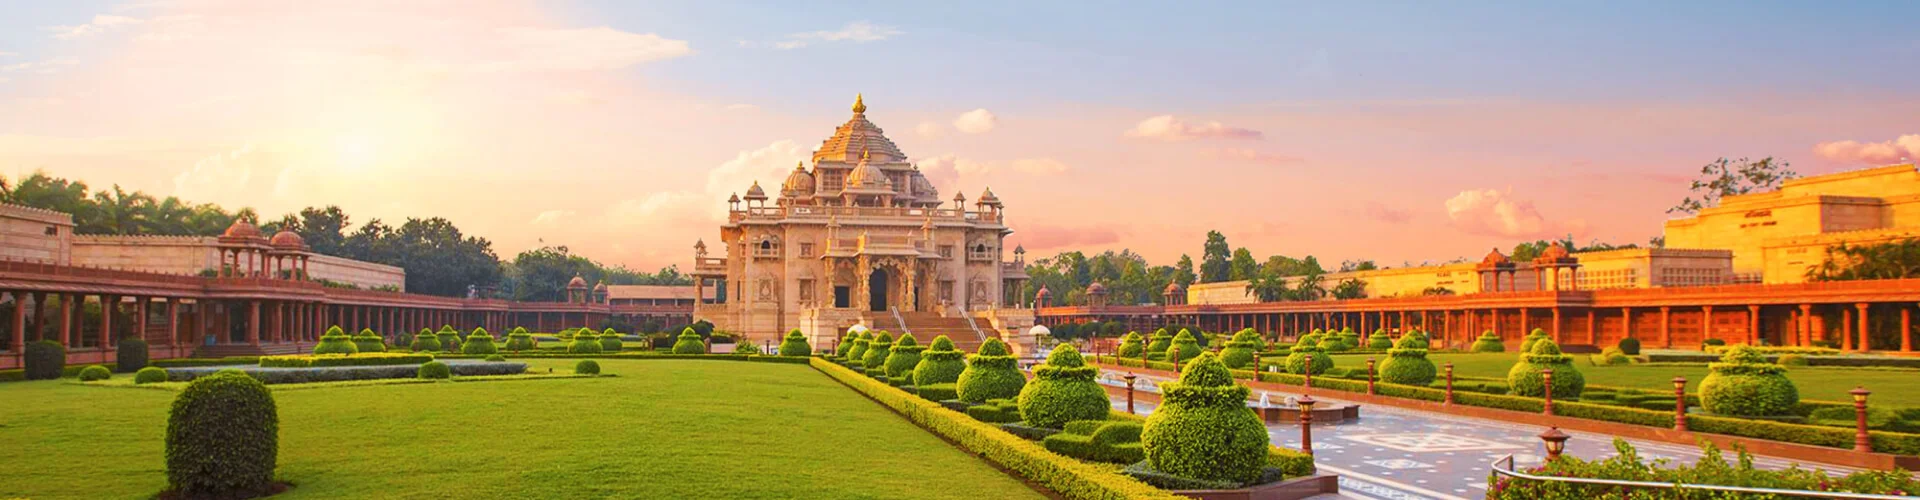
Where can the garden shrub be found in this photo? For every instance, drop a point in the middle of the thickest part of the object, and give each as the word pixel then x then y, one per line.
pixel 223 438
pixel 795 344
pixel 875 358
pixel 1349 339
pixel 584 342
pixel 449 339
pixel 1612 356
pixel 1488 342
pixel 1378 341
pixel 1188 345
pixel 1712 343
pixel 846 344
pixel 479 342
pixel 938 392
pixel 939 364
pixel 1309 345
pixel 1630 346
pixel 1131 346
pixel 1202 429
pixel 1744 384
pixel 689 343
pixel 1331 342
pixel 587 367
pixel 1063 390
pixel 149 375
pixel 95 372
pixel 1111 441
pixel 1792 360
pixel 46 360
pixel 426 341
pixel 435 370
pixel 367 341
pixel 519 340
pixel 1526 343
pixel 332 360
pixel 1407 363
pixel 335 341
pixel 1524 379
pixel 859 350
pixel 903 358
pixel 1712 468
pixel 1238 352
pixel 997 411
pixel 1159 342
pixel 610 341
pixel 495 358
pixel 130 355
pixel 744 346
pixel 402 338
pixel 992 373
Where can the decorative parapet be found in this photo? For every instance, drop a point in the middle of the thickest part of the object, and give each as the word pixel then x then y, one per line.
pixel 36 214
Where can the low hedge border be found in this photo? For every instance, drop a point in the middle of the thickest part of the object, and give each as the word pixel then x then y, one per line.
pixel 343 373
pixel 178 386
pixel 1818 361
pixel 1066 476
pixel 332 360
pixel 757 358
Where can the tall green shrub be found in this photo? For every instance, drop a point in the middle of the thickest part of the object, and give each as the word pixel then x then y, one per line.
pixel 1379 340
pixel 1744 384
pixel 1407 362
pixel 875 358
pixel 1348 339
pixel 904 355
pixel 1308 345
pixel 1202 429
pixel 426 341
pixel 519 340
pixel 940 364
pixel 1525 379
pixel 1188 345
pixel 223 438
pixel 992 373
pixel 610 341
pixel 449 339
pixel 1063 390
pixel 367 341
pixel 1238 353
pixel 1158 343
pixel 1526 343
pixel 130 355
pixel 335 341
pixel 479 342
pixel 1630 346
pixel 689 343
pixel 584 342
pixel 857 355
pixel 845 345
pixel 1131 346
pixel 795 344
pixel 1489 342
pixel 94 373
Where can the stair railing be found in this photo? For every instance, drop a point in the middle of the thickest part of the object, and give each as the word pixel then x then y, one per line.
pixel 1504 467
pixel 901 320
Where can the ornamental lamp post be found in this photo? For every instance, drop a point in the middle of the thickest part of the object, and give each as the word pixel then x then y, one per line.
pixel 1862 442
pixel 1680 403
pixel 1256 366
pixel 1306 422
pixel 1369 375
pixel 1308 369
pixel 1449 401
pixel 1546 378
pixel 1130 378
pixel 1555 442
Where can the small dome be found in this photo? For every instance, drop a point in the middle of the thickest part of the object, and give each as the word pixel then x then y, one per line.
pixel 288 240
pixel 1039 330
pixel 1552 253
pixel 242 229
pixel 1097 289
pixel 799 183
pixel 1495 257
pixel 987 198
pixel 868 178
pixel 602 287
pixel 577 282
pixel 923 188
pixel 1043 292
pixel 733 198
pixel 755 193
pixel 1173 288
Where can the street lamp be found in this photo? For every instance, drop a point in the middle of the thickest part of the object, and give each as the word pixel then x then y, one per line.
pixel 1555 441
pixel 1680 403
pixel 1130 378
pixel 1307 369
pixel 1369 375
pixel 1306 422
pixel 1862 442
pixel 1449 401
pixel 1546 378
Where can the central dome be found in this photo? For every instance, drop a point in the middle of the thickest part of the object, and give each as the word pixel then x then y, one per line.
pixel 857 137
pixel 868 178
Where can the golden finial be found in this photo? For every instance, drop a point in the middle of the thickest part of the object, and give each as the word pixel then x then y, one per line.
pixel 864 153
pixel 859 105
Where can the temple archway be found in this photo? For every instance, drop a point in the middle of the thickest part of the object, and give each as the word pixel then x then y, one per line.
pixel 877 290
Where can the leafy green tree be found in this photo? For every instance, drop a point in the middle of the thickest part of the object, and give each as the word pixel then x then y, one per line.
pixel 1183 272
pixel 1214 257
pixel 1873 261
pixel 1723 177
pixel 1357 265
pixel 1350 288
pixel 1242 267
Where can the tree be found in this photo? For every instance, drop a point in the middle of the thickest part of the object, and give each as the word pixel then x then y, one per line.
pixel 1874 261
pixel 1723 177
pixel 1350 288
pixel 1268 287
pixel 1357 265
pixel 1214 266
pixel 1183 272
pixel 1312 286
pixel 1242 267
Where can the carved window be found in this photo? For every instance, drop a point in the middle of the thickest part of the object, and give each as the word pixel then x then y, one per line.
pixel 946 251
pixel 946 289
pixel 806 290
pixel 806 249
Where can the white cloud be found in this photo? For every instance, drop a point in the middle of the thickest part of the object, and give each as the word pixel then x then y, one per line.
pixel 575 49
pixel 978 121
pixel 100 24
pixel 223 176
pixel 46 67
pixel 1249 155
pixel 929 130
pixel 577 97
pixel 553 216
pixel 857 32
pixel 1489 212
pixel 768 165
pixel 1905 147
pixel 1168 128
pixel 948 170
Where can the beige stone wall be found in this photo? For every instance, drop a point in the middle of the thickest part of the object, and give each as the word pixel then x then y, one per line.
pixel 1654 267
pixel 364 274
pixel 32 234
pixel 190 255
pixel 1773 235
pixel 1788 259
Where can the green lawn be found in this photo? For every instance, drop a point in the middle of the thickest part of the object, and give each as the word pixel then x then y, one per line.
pixel 662 429
pixel 1895 387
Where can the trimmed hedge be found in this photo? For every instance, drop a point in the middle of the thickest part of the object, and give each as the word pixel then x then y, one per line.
pixel 903 357
pixel 150 375
pixel 435 370
pixel 584 342
pixel 992 373
pixel 995 411
pixel 1407 363
pixel 1238 352
pixel 449 339
pixel 95 372
pixel 1488 342
pixel 519 340
pixel 846 344
pixel 874 359
pixel 332 360
pixel 1068 477
pixel 1159 342
pixel 1202 429
pixel 367 341
pixel 496 357
pixel 130 356
pixel 587 367
pixel 46 360
pixel 1537 335
pixel 1131 345
pixel 223 439
pixel 1309 345
pixel 940 365
pixel 1111 441
pixel 795 344
pixel 344 373
pixel 1063 390
pixel 479 342
pixel 610 341
pixel 335 341
pixel 1525 378
pixel 426 341
pixel 1379 340
pixel 689 343
pixel 1744 384
pixel 937 392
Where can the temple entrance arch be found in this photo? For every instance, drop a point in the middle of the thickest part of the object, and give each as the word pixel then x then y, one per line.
pixel 877 290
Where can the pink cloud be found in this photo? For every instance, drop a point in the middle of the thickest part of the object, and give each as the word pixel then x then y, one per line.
pixel 1042 237
pixel 1904 148
pixel 1377 211
pixel 1168 128
pixel 1490 212
pixel 1252 156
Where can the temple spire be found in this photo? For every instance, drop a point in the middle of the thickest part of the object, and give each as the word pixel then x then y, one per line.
pixel 859 104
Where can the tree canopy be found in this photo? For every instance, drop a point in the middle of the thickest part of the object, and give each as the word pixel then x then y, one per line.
pixel 1723 177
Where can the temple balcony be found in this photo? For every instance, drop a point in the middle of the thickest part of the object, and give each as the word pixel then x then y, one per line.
pixel 710 266
pixel 823 213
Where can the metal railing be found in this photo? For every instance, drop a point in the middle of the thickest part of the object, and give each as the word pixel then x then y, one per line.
pixel 1504 467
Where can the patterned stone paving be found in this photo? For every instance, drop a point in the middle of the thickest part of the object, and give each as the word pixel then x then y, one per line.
pixel 1400 454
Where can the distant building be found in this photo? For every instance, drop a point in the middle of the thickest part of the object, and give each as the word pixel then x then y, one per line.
pixel 1776 236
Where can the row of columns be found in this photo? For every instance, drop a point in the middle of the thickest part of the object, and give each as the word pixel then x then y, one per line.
pixel 266 321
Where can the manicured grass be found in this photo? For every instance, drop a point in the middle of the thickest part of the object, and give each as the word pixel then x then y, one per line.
pixel 1892 387
pixel 661 429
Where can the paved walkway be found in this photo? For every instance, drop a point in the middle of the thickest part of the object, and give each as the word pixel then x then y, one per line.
pixel 1394 453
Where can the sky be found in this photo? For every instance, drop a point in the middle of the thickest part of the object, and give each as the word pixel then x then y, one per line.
pixel 1402 132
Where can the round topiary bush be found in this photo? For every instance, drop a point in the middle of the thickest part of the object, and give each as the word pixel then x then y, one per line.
pixel 46 360
pixel 401 338
pixel 689 343
pixel 1063 390
pixel 426 341
pixel 1379 340
pixel 858 352
pixel 610 341
pixel 875 357
pixel 584 342
pixel 496 358
pixel 1188 345
pixel 1202 429
pixel 1525 379
pixel 1526 343
pixel 130 356
pixel 904 356
pixel 587 367
pixel 940 364
pixel 1308 345
pixel 150 375
pixel 95 372
pixel 992 373
pixel 479 342
pixel 1159 342
pixel 795 344
pixel 519 340
pixel 1792 360
pixel 367 341
pixel 335 341
pixel 1630 346
pixel 845 344
pixel 1131 345
pixel 223 438
pixel 1407 363
pixel 449 339
pixel 435 370
pixel 1348 339
pixel 1488 342
pixel 1238 352
pixel 1744 384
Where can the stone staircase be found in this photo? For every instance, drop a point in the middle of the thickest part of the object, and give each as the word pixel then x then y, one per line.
pixel 927 325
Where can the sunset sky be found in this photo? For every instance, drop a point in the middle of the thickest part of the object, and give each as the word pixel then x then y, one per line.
pixel 1395 132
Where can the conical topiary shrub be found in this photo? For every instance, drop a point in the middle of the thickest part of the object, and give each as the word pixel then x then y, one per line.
pixel 689 343
pixel 1158 343
pixel 1131 345
pixel 940 364
pixel 1331 342
pixel 856 357
pixel 1349 339
pixel 335 341
pixel 1526 343
pixel 1309 345
pixel 1379 340
pixel 992 373
pixel 874 360
pixel 795 344
pixel 846 344
pixel 1407 362
pixel 1186 344
pixel 426 341
pixel 901 359
pixel 1426 341
pixel 520 340
pixel 1488 342
pixel 1063 390
pixel 223 438
pixel 401 338
pixel 449 339
pixel 1202 429
pixel 367 341
pixel 610 341
pixel 1744 384
pixel 584 342
pixel 479 343
pixel 1525 378
pixel 1238 353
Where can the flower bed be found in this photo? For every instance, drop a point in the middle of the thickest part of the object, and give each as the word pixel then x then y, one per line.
pixel 1712 468
pixel 331 360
